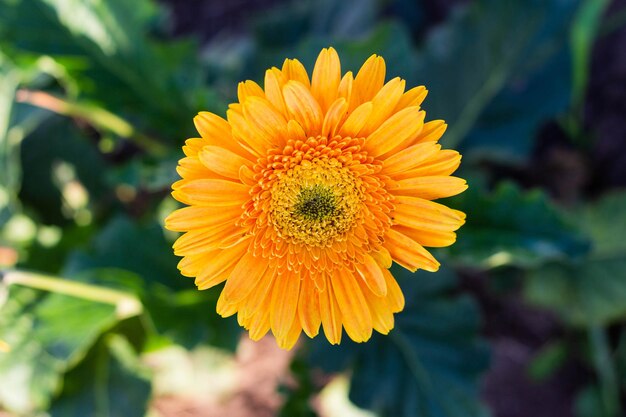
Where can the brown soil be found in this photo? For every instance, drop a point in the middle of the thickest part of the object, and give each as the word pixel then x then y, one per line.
pixel 261 367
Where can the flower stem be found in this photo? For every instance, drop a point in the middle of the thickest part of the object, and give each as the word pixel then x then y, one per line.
pixel 601 356
pixel 96 116
pixel 127 305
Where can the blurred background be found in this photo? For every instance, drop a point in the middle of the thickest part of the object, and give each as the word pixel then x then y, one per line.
pixel 526 319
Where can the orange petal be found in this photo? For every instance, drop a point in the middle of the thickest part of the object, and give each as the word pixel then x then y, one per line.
pixel 294 70
pixel 432 131
pixel 409 158
pixel 412 98
pixel 213 192
pixel 417 213
pixel 274 89
pixel 217 131
pixel 308 307
pixel 371 273
pixel 370 78
pixel 246 176
pixel 191 168
pixel 303 107
pixel 190 265
pixel 397 130
pixel 222 262
pixel 384 103
pixel 260 323
pixel 345 90
pixel 265 121
pixel 430 188
pixel 356 120
pixel 295 131
pixel 429 238
pixel 357 319
pixel 244 278
pixel 408 253
pixel 290 339
pixel 224 307
pixel 202 240
pixel 380 309
pixel 394 298
pixel 334 116
pixel 247 89
pixel 261 292
pixel 443 163
pixel 206 281
pixel 331 317
pixel 222 161
pixel 190 218
pixel 193 145
pixel 285 294
pixel 245 135
pixel 210 125
pixel 326 77
pixel 382 257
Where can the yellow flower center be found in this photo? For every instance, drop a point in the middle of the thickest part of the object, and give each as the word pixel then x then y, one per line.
pixel 315 203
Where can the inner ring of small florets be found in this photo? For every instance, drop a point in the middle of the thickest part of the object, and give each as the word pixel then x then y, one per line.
pixel 316 202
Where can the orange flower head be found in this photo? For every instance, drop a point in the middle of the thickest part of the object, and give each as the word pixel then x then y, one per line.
pixel 306 194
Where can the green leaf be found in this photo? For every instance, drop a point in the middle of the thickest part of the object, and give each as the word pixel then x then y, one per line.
pixel 547 361
pixel 588 403
pixel 110 382
pixel 484 54
pixel 518 111
pixel 54 144
pixel 188 318
pixel 298 398
pixel 591 290
pixel 428 365
pixel 113 61
pixel 511 227
pixel 9 151
pixel 47 335
pixel 583 35
pixel 179 313
pixel 132 246
pixel 290 24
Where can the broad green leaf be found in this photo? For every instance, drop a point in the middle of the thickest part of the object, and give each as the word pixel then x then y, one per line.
pixel 9 151
pixel 490 52
pixel 592 289
pixel 247 58
pixel 135 247
pixel 506 129
pixel 583 35
pixel 590 403
pixel 298 396
pixel 429 363
pixel 188 318
pixel 150 174
pixel 112 60
pixel 57 154
pixel 620 359
pixel 179 313
pixel 511 227
pixel 109 382
pixel 47 335
pixel 548 360
pixel 290 24
pixel 583 292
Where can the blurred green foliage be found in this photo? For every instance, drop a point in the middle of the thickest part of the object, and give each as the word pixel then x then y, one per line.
pixel 95 103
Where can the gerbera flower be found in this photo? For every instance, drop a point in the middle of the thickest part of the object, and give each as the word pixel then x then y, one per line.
pixel 301 199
